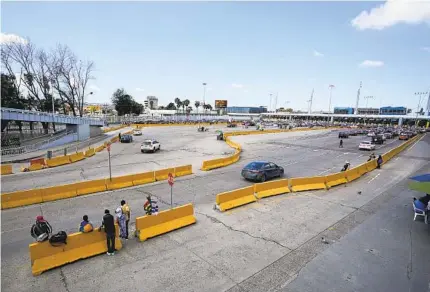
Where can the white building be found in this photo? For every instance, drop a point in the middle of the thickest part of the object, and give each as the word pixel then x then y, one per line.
pixel 151 102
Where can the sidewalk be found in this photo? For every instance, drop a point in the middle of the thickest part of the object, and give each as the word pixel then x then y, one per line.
pixel 57 151
pixel 388 252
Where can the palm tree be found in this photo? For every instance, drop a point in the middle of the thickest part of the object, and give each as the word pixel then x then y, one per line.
pixel 178 103
pixel 185 104
pixel 197 105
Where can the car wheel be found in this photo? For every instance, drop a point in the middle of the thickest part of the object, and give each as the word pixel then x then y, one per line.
pixel 263 178
pixel 281 174
pixel 142 151
pixel 153 150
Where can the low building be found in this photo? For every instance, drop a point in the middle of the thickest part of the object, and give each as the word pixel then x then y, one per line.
pixel 151 102
pixel 246 110
pixel 368 111
pixel 344 110
pixel 388 110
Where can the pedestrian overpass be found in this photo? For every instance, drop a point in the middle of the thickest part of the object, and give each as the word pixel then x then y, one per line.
pixel 84 127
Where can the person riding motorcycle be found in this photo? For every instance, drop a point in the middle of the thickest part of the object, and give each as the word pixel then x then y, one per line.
pixel 371 157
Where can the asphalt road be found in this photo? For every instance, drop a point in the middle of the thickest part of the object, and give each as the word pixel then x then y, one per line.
pixel 235 250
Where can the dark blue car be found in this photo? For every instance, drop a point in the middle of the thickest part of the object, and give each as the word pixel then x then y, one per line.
pixel 262 171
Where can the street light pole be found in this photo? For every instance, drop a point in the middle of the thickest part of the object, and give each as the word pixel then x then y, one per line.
pixel 329 102
pixel 204 96
pixel 270 102
pixel 367 101
pixel 420 94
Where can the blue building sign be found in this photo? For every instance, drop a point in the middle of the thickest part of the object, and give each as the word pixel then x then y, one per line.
pixel 246 110
pixel 388 110
pixel 344 110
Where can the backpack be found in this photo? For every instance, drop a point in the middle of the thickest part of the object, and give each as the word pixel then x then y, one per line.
pixel 58 239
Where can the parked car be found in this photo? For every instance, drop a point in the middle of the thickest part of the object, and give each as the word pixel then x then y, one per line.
pixel 343 135
pixel 150 146
pixel 403 136
pixel 383 137
pixel 262 171
pixel 353 133
pixel 371 134
pixel 388 135
pixel 125 138
pixel 231 125
pixel 137 132
pixel 377 139
pixel 366 145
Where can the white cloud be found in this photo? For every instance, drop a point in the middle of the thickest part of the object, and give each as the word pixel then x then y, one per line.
pixel 391 13
pixel 236 85
pixel 370 63
pixel 427 49
pixel 318 54
pixel 139 89
pixel 6 38
pixel 94 88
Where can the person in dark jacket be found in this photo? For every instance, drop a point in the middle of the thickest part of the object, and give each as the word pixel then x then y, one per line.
pixel 379 161
pixel 341 143
pixel 108 224
pixel 41 229
pixel 425 199
pixel 345 166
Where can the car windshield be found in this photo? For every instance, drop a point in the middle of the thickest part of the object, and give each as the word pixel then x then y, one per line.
pixel 147 143
pixel 255 165
pixel 365 142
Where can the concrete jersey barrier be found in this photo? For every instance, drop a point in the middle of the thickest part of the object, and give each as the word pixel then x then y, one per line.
pixel 57 161
pixel 79 245
pixel 235 198
pixel 165 221
pixel 335 179
pixel 6 169
pixel 271 188
pixel 308 183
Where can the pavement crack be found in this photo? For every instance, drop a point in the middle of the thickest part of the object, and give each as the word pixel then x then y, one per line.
pixel 63 280
pixel 81 173
pixel 409 266
pixel 215 220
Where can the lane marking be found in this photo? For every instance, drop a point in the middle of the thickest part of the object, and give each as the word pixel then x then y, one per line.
pixel 327 170
pixel 374 178
pixel 416 143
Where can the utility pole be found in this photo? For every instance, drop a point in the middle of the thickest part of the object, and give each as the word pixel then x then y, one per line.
pixel 310 102
pixel 276 101
pixel 367 101
pixel 329 102
pixel 358 98
pixel 270 103
pixel 204 96
pixel 420 94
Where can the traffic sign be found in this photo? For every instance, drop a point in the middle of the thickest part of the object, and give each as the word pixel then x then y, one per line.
pixel 170 179
pixel 108 147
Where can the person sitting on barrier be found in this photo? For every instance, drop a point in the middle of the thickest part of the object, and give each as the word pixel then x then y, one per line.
pixel 86 225
pixel 41 230
pixel 126 210
pixel 379 161
pixel 120 219
pixel 108 224
pixel 346 166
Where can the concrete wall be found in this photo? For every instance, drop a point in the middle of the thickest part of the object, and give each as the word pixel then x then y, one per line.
pixel 64 140
pixel 95 131
pixel 83 131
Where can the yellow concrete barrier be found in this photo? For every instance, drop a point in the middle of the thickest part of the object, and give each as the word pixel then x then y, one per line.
pixel 162 174
pixel 308 183
pixel 58 192
pixel 183 170
pixel 90 152
pixel 57 161
pixel 114 139
pixel 235 198
pixel 100 148
pixel 79 245
pixel 371 165
pixel 119 182
pixel 34 167
pixel 89 187
pixel 168 220
pixel 213 163
pixel 352 174
pixel 21 198
pixel 362 169
pixel 143 178
pixel 335 179
pixel 76 157
pixel 271 188
pixel 6 169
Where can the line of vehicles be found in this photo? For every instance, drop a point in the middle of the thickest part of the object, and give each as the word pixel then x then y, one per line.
pixel 148 145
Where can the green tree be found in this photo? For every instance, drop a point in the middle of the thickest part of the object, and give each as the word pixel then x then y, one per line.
pixel 11 97
pixel 197 105
pixel 123 102
pixel 171 106
pixel 178 103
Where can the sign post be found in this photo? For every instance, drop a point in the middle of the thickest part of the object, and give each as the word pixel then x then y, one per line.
pixel 170 181
pixel 110 168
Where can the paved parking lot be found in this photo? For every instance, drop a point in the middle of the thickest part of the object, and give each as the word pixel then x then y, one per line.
pixel 258 247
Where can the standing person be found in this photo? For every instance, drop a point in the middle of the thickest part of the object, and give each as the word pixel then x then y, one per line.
pixel 108 224
pixel 126 211
pixel 341 143
pixel 119 136
pixel 120 218
pixel 379 161
pixel 41 230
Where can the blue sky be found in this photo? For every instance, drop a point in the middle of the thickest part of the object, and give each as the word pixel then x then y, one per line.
pixel 242 50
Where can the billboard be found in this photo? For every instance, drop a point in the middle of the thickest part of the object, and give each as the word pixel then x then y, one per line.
pixel 220 104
